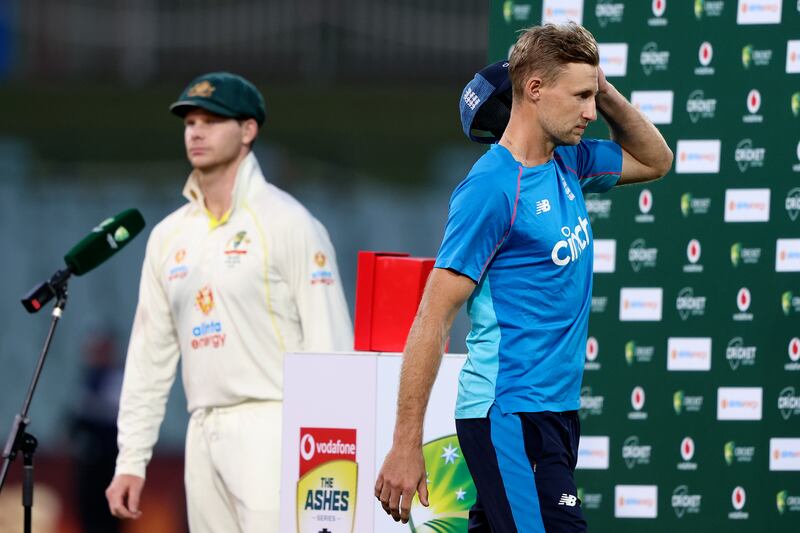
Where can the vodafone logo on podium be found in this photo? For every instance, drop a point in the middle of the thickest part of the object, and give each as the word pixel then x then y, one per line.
pixel 320 445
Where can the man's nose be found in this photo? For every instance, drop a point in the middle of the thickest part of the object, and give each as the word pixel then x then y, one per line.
pixel 590 113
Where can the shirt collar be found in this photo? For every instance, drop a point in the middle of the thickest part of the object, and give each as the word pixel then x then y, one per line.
pixel 248 173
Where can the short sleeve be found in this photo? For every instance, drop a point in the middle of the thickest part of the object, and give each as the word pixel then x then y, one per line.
pixel 598 164
pixel 480 218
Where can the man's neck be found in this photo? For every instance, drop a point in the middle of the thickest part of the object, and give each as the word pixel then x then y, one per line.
pixel 217 185
pixel 525 139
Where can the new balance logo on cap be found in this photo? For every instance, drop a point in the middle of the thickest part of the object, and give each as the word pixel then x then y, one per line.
pixel 542 206
pixel 568 499
pixel 471 99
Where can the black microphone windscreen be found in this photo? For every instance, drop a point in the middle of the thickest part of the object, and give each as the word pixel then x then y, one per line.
pixel 105 240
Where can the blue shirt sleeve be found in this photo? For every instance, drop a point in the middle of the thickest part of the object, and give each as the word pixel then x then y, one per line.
pixel 598 164
pixel 482 209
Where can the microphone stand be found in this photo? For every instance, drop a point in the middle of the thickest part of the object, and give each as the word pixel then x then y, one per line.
pixel 19 440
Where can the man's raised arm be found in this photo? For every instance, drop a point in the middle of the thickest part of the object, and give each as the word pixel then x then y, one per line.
pixel 645 154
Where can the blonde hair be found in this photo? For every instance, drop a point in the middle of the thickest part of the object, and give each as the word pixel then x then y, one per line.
pixel 546 50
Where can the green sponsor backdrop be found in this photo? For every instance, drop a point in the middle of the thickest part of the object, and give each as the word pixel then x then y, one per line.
pixel 759 149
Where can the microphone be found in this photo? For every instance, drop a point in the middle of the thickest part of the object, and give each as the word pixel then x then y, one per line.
pixel 106 239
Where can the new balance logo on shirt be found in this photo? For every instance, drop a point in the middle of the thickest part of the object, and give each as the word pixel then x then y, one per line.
pixel 568 499
pixel 542 206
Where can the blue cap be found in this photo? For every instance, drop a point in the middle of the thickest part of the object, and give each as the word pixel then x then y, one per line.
pixel 485 104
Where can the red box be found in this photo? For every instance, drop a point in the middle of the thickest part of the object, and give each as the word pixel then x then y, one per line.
pixel 389 288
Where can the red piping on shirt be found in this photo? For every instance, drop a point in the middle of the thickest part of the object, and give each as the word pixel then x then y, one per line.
pixel 555 156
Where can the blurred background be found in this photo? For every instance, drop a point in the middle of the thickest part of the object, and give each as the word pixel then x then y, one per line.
pixel 362 127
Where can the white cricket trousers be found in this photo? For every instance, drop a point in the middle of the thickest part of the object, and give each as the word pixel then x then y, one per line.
pixel 233 467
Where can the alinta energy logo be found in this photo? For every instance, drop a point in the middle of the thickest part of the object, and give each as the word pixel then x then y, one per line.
pixel 793 56
pixel 693 251
pixel 792 203
pixel 637 402
pixel 682 402
pixel 638 353
pixel 652 59
pixel 747 155
pixel 755 57
pixel 655 105
pixel 743 301
pixel 516 11
pixel 684 502
pixel 592 351
pixel 738 501
pixel 787 503
pixel 759 12
pixel 753 103
pixel 694 206
pixel 700 107
pixel 794 355
pixel 609 12
pixel 739 354
pixel 688 305
pixel 561 11
pixel 788 403
pixel 645 206
pixel 735 454
pixel 784 454
pixel 591 404
pixel 705 54
pixel 687 450
pixel 634 453
pixel 659 8
pixel 708 8
pixel 790 303
pixel 640 256
pixel 597 207
pixel 741 255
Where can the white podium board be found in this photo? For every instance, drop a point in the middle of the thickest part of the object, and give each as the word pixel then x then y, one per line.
pixel 338 422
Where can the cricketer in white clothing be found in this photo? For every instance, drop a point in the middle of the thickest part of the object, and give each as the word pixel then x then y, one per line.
pixel 233 279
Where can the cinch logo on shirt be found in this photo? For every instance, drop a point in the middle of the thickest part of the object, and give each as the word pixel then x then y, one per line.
pixel 573 241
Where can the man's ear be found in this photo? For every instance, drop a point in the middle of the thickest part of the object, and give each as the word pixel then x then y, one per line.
pixel 532 88
pixel 249 131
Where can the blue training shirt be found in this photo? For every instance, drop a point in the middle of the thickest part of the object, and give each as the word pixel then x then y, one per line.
pixel 523 235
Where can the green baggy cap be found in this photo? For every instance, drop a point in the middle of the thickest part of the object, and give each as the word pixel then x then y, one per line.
pixel 224 94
